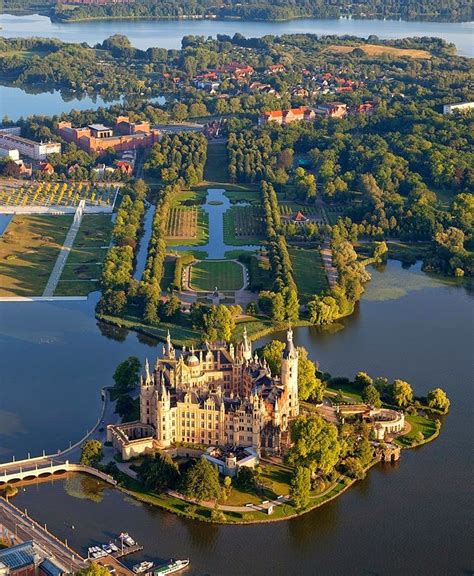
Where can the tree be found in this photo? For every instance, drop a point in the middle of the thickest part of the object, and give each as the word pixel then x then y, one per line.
pixel 353 468
pixel 127 373
pixel 371 396
pixel 301 487
pixel 315 444
pixel 272 352
pixel 246 479
pixel 380 250
pixel 310 387
pixel 93 569
pixel 158 472
pixel 438 399
pixel 402 393
pixel 219 323
pixel 201 481
pixel 362 380
pixel 91 452
pixel 127 408
pixel 365 452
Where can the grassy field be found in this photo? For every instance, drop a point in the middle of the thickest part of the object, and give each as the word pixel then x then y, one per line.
pixel 215 169
pixel 309 273
pixel 168 275
pixel 224 274
pixel 376 50
pixel 418 424
pixel 28 251
pixel 84 264
pixel 243 194
pixel 275 480
pixel 243 225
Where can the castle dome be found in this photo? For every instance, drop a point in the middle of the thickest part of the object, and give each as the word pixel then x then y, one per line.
pixel 192 360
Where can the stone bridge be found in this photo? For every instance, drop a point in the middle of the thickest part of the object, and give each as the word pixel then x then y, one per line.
pixel 43 466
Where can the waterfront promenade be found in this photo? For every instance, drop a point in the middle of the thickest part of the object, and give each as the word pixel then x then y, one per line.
pixel 23 528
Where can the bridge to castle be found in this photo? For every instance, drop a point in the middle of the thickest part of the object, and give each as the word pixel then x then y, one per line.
pixel 44 466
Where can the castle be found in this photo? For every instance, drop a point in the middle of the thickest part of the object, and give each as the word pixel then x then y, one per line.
pixel 219 394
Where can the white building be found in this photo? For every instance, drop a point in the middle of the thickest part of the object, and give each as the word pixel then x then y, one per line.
pixel 12 154
pixel 28 148
pixel 460 107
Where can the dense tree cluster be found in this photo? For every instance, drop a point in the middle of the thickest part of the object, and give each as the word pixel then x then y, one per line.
pixel 281 303
pixel 154 268
pixel 118 266
pixel 455 10
pixel 178 158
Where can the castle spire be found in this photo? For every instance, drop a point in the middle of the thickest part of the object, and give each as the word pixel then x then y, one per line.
pixel 147 372
pixel 290 350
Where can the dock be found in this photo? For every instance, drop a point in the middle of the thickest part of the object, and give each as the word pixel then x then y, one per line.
pixel 126 551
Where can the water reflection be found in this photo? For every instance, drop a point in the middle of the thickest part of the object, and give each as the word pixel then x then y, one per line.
pixel 84 487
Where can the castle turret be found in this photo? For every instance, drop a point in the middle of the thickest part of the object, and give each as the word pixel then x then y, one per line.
pixel 246 346
pixel 168 348
pixel 289 374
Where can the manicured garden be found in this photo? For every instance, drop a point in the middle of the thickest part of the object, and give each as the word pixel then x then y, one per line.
pixel 215 169
pixel 56 194
pixel 243 225
pixel 29 248
pixel 83 267
pixel 308 271
pixel 225 274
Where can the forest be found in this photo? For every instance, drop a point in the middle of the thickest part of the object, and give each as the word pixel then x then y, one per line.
pixel 442 10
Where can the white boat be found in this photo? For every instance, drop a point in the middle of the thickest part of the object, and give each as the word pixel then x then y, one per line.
pixel 171 567
pixel 106 548
pixel 113 547
pixel 142 567
pixel 126 539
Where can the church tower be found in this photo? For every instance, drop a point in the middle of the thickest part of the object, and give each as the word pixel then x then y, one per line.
pixel 289 374
pixel 147 392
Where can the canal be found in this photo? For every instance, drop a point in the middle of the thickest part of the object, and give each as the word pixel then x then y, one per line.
pixel 400 520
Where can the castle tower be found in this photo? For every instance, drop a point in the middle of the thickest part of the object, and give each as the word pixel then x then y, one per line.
pixel 147 389
pixel 289 374
pixel 246 346
pixel 168 348
pixel 163 416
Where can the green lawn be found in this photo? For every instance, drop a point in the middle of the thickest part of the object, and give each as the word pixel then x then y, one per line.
pixel 309 273
pixel 29 248
pixel 84 264
pixel 215 169
pixel 168 274
pixel 418 424
pixel 224 274
pixel 243 194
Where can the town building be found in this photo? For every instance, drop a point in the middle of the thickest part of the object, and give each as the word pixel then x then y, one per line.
pixel 98 138
pixel 331 109
pixel 284 117
pixel 27 559
pixel 217 395
pixel 460 107
pixel 26 147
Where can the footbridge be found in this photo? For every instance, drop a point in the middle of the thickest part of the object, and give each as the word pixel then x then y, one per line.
pixel 43 466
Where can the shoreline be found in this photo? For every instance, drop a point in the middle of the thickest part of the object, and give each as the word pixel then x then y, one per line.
pixel 377 18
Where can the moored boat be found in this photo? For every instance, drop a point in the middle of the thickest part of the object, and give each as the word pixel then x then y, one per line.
pixel 171 567
pixel 142 567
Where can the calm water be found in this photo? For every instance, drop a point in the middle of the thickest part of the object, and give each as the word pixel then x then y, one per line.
pixel 15 102
pixel 168 34
pixel 216 206
pixel 413 518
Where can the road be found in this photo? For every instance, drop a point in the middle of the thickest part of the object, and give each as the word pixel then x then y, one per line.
pixel 25 529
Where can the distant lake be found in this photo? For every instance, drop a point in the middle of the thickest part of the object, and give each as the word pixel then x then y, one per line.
pixel 168 33
pixel 15 102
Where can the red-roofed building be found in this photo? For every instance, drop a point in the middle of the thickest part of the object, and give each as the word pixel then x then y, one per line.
pixel 46 168
pixel 125 167
pixel 284 117
pixel 275 69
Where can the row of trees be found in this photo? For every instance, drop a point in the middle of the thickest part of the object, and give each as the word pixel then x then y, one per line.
pixel 117 272
pixel 178 158
pixel 281 304
pixel 155 264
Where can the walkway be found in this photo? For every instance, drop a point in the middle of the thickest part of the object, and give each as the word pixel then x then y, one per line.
pixel 65 250
pixel 331 271
pixel 24 529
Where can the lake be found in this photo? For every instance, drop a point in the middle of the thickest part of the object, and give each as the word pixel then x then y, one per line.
pixel 168 33
pixel 410 518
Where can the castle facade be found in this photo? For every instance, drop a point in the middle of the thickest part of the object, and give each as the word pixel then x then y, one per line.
pixel 219 394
